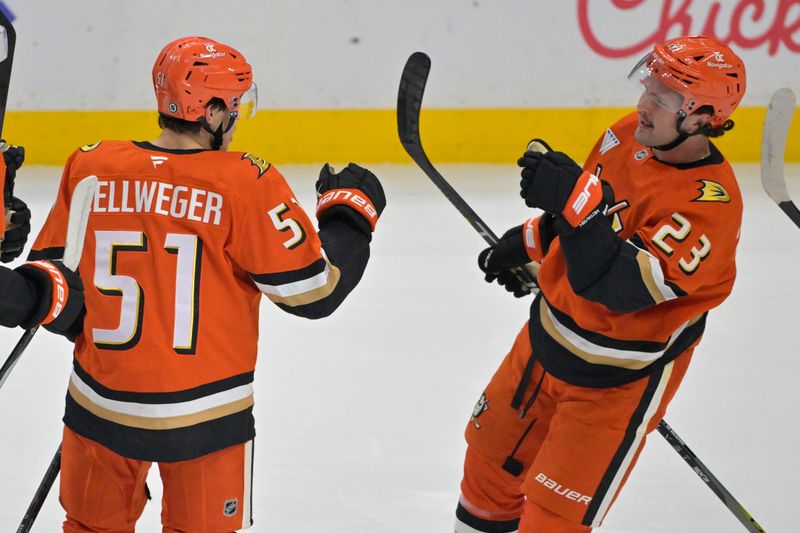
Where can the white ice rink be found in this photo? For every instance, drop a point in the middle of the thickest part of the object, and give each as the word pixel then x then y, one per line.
pixel 360 416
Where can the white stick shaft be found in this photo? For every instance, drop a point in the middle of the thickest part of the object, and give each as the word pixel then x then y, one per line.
pixel 773 144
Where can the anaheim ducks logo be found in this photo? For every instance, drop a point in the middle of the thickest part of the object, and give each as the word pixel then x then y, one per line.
pixel 89 147
pixel 481 407
pixel 711 191
pixel 259 162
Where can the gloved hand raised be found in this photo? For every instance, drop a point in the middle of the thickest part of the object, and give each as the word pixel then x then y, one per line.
pixel 354 193
pixel 554 182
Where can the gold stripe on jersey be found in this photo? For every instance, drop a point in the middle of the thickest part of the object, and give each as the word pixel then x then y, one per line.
pixel 653 276
pixel 646 268
pixel 635 360
pixel 173 422
pixel 306 291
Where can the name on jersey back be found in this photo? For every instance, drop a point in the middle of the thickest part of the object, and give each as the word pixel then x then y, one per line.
pixel 149 196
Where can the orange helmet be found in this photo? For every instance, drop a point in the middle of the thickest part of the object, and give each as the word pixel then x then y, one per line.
pixel 192 70
pixel 703 70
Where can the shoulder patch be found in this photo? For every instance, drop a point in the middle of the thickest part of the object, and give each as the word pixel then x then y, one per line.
pixel 90 147
pixel 609 141
pixel 259 162
pixel 711 191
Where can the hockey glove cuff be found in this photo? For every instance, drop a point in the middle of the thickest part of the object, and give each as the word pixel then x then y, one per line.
pixel 61 301
pixel 537 234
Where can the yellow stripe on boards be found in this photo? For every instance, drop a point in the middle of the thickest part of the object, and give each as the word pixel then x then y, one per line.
pixel 370 135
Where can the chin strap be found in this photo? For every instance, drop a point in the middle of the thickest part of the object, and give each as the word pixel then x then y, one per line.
pixel 682 135
pixel 216 144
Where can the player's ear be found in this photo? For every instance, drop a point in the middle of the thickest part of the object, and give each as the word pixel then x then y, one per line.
pixel 212 115
pixel 697 121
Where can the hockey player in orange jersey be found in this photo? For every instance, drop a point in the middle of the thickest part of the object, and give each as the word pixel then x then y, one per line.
pixel 635 248
pixel 183 239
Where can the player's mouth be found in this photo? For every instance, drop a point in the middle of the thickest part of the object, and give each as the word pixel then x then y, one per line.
pixel 645 124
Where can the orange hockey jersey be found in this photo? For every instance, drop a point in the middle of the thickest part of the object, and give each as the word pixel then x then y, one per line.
pixel 677 229
pixel 180 246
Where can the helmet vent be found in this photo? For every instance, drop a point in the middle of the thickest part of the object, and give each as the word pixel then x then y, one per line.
pixel 200 64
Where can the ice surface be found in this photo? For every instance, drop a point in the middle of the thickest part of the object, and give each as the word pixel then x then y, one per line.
pixel 360 416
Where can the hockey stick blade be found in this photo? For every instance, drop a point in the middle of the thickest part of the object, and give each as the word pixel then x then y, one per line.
pixel 773 146
pixel 79 208
pixel 708 478
pixel 409 106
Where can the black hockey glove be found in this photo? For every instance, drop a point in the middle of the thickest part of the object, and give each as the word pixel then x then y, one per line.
pixel 61 303
pixel 354 194
pixel 17 230
pixel 13 157
pixel 497 261
pixel 554 182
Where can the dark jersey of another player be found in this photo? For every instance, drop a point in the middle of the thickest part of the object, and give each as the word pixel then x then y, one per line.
pixel 672 259
pixel 180 246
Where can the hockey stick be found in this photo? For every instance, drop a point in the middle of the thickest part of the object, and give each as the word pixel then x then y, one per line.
pixel 708 478
pixel 409 105
pixel 41 493
pixel 79 208
pixel 773 145
pixel 8 42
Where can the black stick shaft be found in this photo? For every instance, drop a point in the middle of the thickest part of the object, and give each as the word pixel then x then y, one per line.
pixel 708 478
pixel 12 359
pixel 5 66
pixel 41 493
pixel 409 106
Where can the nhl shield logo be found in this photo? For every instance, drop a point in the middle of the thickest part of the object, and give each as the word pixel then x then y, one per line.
pixel 481 407
pixel 230 507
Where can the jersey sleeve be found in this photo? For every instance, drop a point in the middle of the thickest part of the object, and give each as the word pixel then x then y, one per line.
pixel 682 254
pixel 274 241
pixel 49 243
